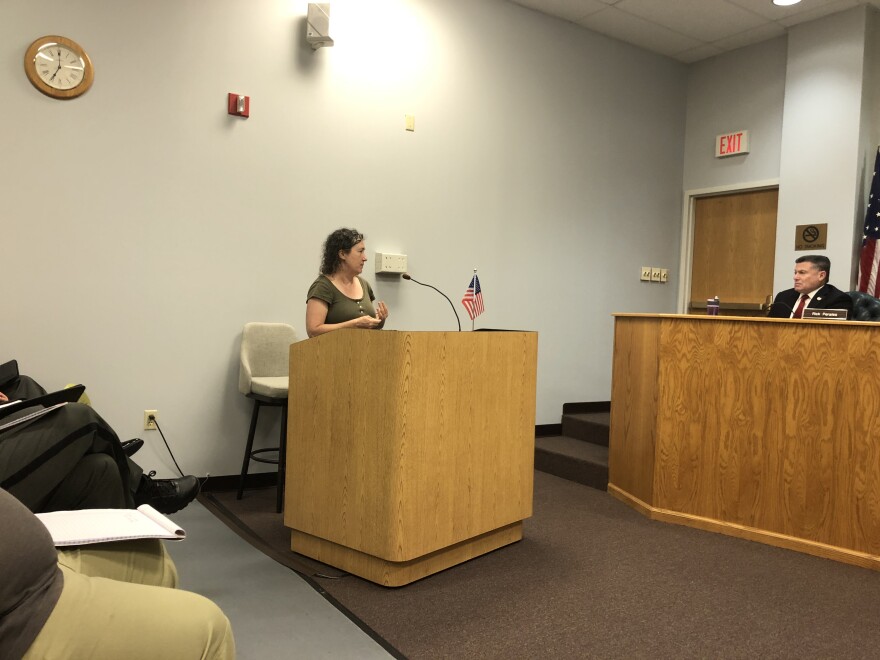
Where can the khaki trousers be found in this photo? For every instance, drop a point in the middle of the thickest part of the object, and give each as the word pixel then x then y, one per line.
pixel 119 601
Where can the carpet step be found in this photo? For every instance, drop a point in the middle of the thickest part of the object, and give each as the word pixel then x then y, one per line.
pixel 588 427
pixel 583 462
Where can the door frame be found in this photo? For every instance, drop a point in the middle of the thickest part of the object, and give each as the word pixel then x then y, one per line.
pixel 687 229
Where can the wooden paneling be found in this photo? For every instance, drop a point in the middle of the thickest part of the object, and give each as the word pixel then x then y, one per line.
pixel 734 247
pixel 396 574
pixel 766 429
pixel 401 444
pixel 634 392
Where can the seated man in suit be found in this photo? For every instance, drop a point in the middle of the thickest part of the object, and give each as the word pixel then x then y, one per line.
pixel 70 458
pixel 811 290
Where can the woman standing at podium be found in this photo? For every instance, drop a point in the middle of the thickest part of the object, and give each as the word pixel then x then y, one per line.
pixel 340 298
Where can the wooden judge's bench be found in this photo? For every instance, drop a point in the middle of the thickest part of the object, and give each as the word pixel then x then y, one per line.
pixel 409 452
pixel 765 429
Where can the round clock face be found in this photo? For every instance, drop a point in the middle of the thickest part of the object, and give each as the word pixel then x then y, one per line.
pixel 58 67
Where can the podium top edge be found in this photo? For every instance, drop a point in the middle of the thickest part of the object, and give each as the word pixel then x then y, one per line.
pixel 425 332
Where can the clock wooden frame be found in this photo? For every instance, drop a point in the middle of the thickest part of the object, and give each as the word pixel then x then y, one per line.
pixel 30 68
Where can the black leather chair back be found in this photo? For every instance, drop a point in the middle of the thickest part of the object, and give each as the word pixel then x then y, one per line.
pixel 865 307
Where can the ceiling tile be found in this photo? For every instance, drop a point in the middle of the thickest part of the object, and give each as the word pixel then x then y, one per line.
pixel 772 12
pixel 825 9
pixel 681 28
pixel 632 29
pixel 570 10
pixel 706 20
pixel 749 37
pixel 699 53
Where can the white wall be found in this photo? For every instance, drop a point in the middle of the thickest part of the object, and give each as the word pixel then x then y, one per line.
pixel 822 150
pixel 740 90
pixel 143 226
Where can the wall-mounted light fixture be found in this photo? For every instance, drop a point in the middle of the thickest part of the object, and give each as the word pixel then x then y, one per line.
pixel 785 3
pixel 318 25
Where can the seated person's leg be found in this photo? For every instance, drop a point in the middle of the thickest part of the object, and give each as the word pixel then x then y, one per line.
pixel 142 561
pixel 92 483
pixel 37 456
pixel 104 619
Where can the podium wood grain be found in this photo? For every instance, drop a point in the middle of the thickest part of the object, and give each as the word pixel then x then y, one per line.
pixel 409 451
pixel 758 428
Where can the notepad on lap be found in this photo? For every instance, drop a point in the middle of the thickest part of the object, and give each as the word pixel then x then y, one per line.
pixel 51 400
pixel 105 525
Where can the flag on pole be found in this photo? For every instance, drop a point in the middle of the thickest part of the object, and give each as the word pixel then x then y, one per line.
pixel 869 282
pixel 473 298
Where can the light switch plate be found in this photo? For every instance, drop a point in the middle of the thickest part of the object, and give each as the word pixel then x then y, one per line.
pixel 655 274
pixel 646 274
pixel 664 275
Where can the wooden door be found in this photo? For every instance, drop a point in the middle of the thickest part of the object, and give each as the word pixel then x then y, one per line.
pixel 734 251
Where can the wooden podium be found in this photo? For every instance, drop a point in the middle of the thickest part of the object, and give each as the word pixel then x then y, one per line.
pixel 409 452
pixel 765 429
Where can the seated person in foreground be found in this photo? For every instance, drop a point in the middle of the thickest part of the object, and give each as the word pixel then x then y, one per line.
pixel 101 601
pixel 69 458
pixel 811 290
pixel 339 298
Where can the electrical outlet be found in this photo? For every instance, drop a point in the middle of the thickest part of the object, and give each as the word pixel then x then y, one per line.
pixel 149 424
pixel 664 275
pixel 655 274
pixel 646 274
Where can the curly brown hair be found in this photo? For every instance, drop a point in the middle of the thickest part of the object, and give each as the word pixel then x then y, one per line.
pixel 341 240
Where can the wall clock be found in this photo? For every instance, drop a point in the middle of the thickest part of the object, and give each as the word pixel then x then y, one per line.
pixel 58 67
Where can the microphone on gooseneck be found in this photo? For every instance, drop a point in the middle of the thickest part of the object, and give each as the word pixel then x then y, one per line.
pixel 407 276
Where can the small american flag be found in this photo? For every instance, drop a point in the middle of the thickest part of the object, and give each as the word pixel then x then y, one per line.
pixel 473 298
pixel 869 282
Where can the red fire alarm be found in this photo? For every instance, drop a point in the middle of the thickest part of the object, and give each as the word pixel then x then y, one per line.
pixel 239 105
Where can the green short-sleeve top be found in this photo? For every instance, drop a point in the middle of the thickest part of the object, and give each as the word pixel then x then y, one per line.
pixel 341 308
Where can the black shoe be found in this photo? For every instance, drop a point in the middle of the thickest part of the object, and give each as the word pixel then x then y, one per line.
pixel 130 447
pixel 167 495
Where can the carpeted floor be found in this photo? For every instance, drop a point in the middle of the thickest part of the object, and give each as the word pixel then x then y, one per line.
pixel 594 579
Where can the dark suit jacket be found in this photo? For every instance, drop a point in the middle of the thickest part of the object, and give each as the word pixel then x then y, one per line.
pixel 828 297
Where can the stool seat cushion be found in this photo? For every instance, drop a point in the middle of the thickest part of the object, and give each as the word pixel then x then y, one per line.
pixel 271 386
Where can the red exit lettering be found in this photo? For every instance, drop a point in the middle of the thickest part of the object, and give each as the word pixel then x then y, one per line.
pixel 732 143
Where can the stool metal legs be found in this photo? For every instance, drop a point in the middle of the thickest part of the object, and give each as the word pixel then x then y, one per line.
pixel 253 454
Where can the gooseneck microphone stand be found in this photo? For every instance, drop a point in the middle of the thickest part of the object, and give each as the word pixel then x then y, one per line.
pixel 407 276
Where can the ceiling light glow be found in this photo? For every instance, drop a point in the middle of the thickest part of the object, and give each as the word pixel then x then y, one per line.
pixel 785 3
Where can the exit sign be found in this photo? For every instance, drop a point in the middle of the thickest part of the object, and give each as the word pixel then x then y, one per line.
pixel 731 144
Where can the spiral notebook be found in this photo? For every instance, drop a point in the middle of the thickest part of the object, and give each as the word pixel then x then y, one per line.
pixel 106 525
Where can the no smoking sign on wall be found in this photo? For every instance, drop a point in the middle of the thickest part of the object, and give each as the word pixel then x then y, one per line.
pixel 811 237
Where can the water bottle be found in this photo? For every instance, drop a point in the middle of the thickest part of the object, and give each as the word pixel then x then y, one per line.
pixel 712 306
